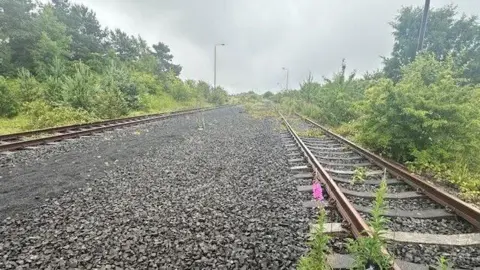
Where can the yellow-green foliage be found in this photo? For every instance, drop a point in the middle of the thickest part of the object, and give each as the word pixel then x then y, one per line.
pixel 260 110
pixel 359 175
pixel 369 249
pixel 14 125
pixel 157 103
pixel 316 259
pixel 40 115
pixel 313 133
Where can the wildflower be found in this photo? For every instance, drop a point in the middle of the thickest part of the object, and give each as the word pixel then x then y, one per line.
pixel 317 191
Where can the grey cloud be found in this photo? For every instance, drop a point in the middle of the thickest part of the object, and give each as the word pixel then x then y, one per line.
pixel 263 35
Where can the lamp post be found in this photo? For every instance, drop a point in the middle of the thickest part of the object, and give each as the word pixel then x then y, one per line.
pixel 286 69
pixel 423 26
pixel 215 65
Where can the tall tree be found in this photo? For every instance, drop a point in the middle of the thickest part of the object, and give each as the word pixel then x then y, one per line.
pixel 126 47
pixel 53 44
pixel 82 25
pixel 17 34
pixel 446 34
pixel 164 58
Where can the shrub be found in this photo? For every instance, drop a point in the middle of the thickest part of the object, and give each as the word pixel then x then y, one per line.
pixel 79 89
pixel 157 103
pixel 29 89
pixel 8 103
pixel 41 115
pixel 109 104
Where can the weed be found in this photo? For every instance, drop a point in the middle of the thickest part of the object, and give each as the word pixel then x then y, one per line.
pixel 312 133
pixel 316 259
pixel 443 263
pixel 359 175
pixel 368 250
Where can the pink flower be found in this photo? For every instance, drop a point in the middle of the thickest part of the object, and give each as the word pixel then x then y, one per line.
pixel 317 191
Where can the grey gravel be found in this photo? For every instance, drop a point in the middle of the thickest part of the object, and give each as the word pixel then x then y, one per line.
pixel 163 195
pixel 373 188
pixel 458 257
pixel 400 204
pixel 438 226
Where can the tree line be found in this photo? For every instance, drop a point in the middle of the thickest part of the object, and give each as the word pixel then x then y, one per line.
pixel 421 108
pixel 58 64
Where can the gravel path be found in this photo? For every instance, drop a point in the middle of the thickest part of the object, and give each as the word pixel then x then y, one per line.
pixel 163 195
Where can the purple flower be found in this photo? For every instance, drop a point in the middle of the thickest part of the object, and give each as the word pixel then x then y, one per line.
pixel 317 191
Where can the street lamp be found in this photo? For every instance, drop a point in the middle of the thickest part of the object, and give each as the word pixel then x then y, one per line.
pixel 286 69
pixel 215 64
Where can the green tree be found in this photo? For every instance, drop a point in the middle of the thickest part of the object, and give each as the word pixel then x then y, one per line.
pixel 427 112
pixel 18 35
pixel 80 89
pixel 8 103
pixel 164 58
pixel 125 46
pixel 29 89
pixel 82 25
pixel 53 44
pixel 268 95
pixel 447 34
pixel 218 96
pixel 333 101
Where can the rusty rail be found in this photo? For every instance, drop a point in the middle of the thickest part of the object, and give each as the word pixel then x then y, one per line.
pixel 358 226
pixel 462 209
pixel 92 128
pixel 15 136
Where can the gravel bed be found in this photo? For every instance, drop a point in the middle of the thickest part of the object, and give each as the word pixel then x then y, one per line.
pixel 335 155
pixel 341 167
pixel 373 188
pixel 163 195
pixel 458 257
pixel 340 161
pixel 438 226
pixel 431 226
pixel 401 204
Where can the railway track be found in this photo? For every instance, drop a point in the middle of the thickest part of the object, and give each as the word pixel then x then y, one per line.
pixel 423 222
pixel 16 141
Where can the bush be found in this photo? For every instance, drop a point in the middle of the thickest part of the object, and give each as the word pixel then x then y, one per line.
pixel 428 119
pixel 420 112
pixel 41 115
pixel 109 104
pixel 79 89
pixel 157 103
pixel 29 89
pixel 8 103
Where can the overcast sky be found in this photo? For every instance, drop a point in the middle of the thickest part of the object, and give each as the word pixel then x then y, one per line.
pixel 262 36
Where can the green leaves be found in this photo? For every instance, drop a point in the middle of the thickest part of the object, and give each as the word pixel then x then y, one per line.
pixel 316 259
pixel 447 33
pixel 369 249
pixel 8 103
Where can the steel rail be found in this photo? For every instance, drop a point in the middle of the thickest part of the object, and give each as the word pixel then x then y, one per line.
pixel 461 208
pixel 75 134
pixel 15 136
pixel 358 226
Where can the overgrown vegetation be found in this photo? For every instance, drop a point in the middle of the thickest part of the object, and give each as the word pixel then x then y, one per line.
pixel 420 109
pixel 58 66
pixel 316 259
pixel 359 175
pixel 368 250
pixel 443 264
pixel 312 133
